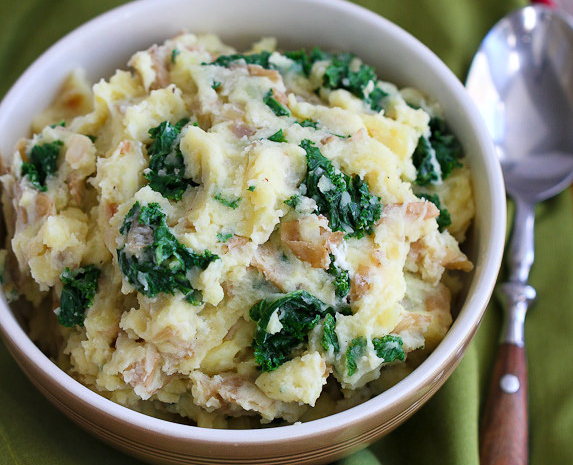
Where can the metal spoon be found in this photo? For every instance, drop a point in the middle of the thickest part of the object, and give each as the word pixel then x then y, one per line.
pixel 522 82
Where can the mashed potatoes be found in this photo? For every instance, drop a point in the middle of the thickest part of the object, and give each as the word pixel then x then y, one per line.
pixel 227 239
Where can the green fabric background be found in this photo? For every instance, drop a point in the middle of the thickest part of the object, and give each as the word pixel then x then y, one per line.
pixel 445 430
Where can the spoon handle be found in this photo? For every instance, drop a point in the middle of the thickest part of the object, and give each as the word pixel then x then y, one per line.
pixel 504 429
pixel 503 440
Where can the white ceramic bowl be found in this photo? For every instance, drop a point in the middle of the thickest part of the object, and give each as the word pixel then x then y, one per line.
pixel 104 44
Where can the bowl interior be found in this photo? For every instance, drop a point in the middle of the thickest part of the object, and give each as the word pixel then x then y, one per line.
pixel 107 42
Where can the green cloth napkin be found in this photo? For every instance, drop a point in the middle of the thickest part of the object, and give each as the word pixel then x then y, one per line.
pixel 445 430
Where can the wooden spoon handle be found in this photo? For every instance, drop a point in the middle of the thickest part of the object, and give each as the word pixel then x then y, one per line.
pixel 503 438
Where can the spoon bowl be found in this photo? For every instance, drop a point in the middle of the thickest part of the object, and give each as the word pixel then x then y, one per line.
pixel 522 82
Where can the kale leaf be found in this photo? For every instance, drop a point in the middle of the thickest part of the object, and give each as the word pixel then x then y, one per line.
pixel 306 60
pixel 441 148
pixel 80 287
pixel 43 163
pixel 224 237
pixel 376 99
pixel 166 165
pixel 447 147
pixel 293 201
pixel 329 337
pixel 261 59
pixel 278 136
pixel 444 219
pixel 277 108
pixel 174 54
pixel 424 159
pixel 343 73
pixel 389 348
pixel 345 201
pixel 298 312
pixel 228 203
pixel 355 351
pixel 308 123
pixel 161 266
pixel 340 74
pixel 341 279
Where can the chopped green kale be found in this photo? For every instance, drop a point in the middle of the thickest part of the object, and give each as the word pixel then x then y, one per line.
pixel 298 313
pixel 329 337
pixel 308 123
pixel 162 264
pixel 277 108
pixel 345 201
pixel 261 59
pixel 424 159
pixel 251 188
pixel 444 219
pixel 301 58
pixel 293 201
pixel 128 220
pixel 343 72
pixel 389 348
pixel 447 147
pixel 340 74
pixel 43 163
pixel 216 85
pixel 174 54
pixel 376 99
pixel 221 237
pixel 355 351
pixel 61 123
pixel 341 279
pixel 441 149
pixel 278 136
pixel 80 287
pixel 166 173
pixel 307 60
pixel 33 174
pixel 228 203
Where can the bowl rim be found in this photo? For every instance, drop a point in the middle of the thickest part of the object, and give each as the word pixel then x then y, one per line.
pixel 458 335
